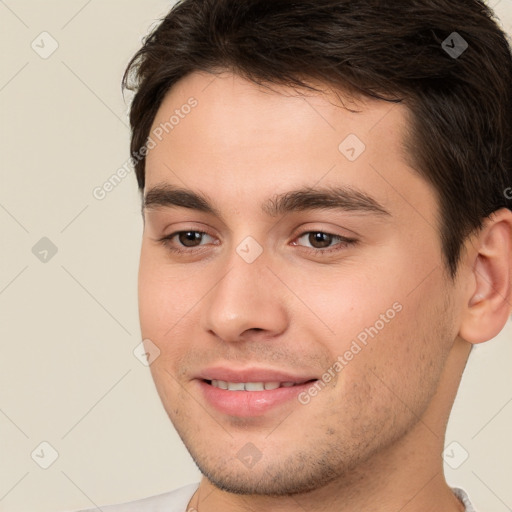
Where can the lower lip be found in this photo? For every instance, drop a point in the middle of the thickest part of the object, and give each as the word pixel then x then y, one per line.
pixel 249 403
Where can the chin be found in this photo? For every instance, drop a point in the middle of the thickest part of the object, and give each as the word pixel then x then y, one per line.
pixel 297 473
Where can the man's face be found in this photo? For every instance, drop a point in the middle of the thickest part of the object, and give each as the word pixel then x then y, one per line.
pixel 345 296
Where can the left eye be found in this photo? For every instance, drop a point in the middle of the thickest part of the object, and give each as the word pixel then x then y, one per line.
pixel 319 240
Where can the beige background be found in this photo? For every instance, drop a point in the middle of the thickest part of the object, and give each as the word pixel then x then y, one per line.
pixel 68 326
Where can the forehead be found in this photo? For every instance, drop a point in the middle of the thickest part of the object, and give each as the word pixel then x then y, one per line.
pixel 225 134
pixel 231 112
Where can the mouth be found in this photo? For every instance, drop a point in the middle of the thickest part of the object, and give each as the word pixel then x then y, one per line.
pixel 254 386
pixel 251 393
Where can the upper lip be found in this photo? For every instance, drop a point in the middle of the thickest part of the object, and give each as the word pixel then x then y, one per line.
pixel 251 375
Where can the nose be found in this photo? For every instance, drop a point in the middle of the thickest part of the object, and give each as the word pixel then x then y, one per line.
pixel 247 299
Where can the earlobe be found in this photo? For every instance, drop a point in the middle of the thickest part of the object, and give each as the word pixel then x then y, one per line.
pixel 490 294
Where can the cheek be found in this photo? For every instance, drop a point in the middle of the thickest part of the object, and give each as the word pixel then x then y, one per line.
pixel 164 295
pixel 379 314
pixel 343 302
pixel 404 360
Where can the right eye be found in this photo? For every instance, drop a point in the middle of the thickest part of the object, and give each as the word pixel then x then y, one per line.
pixel 179 241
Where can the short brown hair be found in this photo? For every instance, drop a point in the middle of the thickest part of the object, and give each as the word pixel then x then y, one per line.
pixel 460 138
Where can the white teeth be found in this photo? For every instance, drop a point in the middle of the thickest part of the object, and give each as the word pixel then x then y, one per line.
pixel 236 386
pixel 254 386
pixel 250 386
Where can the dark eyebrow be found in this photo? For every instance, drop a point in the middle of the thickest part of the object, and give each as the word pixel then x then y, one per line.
pixel 328 198
pixel 169 196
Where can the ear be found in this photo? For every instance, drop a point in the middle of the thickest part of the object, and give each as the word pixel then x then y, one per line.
pixel 488 297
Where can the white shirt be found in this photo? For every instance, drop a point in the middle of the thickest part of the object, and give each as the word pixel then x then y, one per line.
pixel 174 501
pixel 177 501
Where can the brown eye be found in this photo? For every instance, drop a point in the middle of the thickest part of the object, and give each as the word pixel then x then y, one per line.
pixel 190 238
pixel 322 243
pixel 186 242
pixel 320 240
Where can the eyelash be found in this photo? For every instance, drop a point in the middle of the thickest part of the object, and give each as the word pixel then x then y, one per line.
pixel 343 242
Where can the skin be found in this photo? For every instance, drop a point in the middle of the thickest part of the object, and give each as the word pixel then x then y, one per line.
pixel 372 438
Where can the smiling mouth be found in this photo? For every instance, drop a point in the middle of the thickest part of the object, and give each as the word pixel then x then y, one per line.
pixel 253 386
